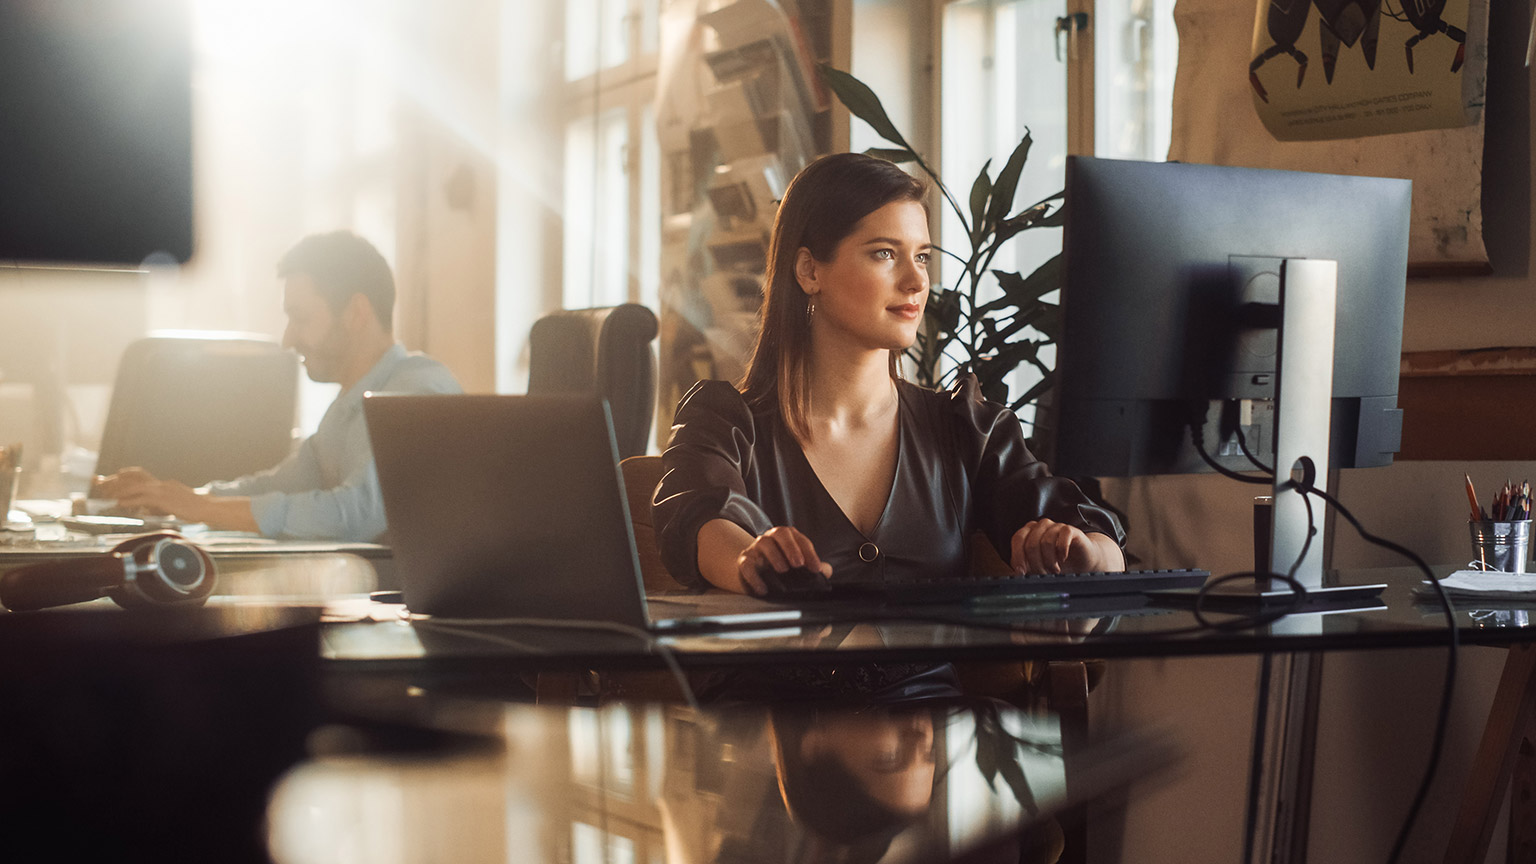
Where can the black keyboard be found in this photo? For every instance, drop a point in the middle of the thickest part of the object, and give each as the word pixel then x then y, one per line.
pixel 1028 585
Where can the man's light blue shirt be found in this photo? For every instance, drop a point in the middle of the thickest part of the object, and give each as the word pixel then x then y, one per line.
pixel 329 488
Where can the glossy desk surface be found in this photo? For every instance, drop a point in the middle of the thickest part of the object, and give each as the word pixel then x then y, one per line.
pixel 361 634
pixel 643 783
pixel 380 635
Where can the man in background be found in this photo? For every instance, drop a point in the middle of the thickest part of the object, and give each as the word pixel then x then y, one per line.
pixel 339 296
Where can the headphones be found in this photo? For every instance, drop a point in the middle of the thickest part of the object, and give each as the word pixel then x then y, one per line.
pixel 159 569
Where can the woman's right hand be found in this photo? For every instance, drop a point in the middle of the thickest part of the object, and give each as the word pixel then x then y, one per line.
pixel 779 548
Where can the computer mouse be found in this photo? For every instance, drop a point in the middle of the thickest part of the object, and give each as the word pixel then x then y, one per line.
pixel 796 583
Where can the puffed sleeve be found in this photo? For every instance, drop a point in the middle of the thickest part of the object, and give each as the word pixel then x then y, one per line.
pixel 1012 487
pixel 704 476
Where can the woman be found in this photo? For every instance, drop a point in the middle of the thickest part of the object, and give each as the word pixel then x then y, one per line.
pixel 826 459
pixel 853 780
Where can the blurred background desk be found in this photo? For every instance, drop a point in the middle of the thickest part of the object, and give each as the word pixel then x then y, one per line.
pixel 247 564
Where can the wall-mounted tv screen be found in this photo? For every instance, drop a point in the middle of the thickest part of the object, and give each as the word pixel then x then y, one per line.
pixel 95 132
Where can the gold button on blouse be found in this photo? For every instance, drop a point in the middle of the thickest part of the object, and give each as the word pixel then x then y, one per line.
pixel 869 552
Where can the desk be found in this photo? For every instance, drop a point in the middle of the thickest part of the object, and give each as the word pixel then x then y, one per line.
pixel 1404 623
pixel 946 636
pixel 392 652
pixel 646 782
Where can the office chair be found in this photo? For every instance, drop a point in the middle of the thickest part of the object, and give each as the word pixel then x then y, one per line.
pixel 605 351
pixel 641 474
pixel 201 409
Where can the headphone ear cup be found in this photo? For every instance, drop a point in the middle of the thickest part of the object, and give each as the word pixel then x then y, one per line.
pixel 167 571
pixel 158 569
pixel 58 583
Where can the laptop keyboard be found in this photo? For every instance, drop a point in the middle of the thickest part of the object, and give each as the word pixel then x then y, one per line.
pixel 1027 585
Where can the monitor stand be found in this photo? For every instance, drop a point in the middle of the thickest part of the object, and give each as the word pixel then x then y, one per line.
pixel 1303 406
pixel 1285 719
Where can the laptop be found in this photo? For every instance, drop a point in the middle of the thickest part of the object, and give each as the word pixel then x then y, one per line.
pixel 514 507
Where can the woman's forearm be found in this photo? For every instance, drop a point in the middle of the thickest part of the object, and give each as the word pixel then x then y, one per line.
pixel 1111 558
pixel 721 542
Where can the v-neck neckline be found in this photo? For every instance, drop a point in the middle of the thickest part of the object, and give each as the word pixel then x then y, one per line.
pixel 890 495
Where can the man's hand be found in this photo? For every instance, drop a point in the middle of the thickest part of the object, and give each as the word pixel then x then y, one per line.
pixel 138 491
pixel 1044 546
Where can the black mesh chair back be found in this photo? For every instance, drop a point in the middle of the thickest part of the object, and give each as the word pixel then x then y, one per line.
pixel 201 409
pixel 606 351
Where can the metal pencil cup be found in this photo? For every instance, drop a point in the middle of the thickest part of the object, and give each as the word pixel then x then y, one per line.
pixel 1501 546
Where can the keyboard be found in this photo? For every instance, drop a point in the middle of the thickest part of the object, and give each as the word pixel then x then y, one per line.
pixel 1024 586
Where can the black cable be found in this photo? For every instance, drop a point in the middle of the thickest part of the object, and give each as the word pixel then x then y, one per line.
pixel 1242 444
pixel 1442 721
pixel 1454 642
pixel 1197 439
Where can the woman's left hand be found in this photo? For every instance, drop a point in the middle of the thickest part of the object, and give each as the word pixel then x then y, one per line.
pixel 1046 546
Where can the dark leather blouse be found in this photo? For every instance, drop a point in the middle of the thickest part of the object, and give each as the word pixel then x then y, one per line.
pixel 961 466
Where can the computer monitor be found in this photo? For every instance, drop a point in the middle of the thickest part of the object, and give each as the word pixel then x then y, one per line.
pixel 1170 304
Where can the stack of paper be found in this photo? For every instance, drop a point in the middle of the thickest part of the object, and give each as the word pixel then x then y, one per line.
pixel 1484 585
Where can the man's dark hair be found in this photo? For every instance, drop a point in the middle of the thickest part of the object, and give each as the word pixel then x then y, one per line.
pixel 342 264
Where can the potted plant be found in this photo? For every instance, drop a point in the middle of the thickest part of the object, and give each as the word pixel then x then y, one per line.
pixel 971 327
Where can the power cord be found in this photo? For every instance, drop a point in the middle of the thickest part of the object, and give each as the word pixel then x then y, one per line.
pixel 1453 640
pixel 1453 643
pixel 1197 439
pixel 471 627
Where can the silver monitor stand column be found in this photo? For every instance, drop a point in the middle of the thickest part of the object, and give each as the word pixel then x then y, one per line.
pixel 1285 730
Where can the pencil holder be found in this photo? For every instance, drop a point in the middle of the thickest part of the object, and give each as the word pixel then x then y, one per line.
pixel 1501 545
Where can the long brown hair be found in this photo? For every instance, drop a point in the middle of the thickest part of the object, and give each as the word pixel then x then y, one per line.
pixel 822 206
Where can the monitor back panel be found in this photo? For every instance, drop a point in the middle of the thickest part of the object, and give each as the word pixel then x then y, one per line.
pixel 506 506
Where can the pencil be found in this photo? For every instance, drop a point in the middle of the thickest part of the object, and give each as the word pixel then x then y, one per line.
pixel 1472 499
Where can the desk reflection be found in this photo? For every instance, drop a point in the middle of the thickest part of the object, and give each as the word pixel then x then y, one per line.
pixel 653 783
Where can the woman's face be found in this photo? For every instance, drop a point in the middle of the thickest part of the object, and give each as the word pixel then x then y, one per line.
pixel 891 754
pixel 874 289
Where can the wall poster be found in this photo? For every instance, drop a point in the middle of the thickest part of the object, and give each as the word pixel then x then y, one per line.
pixel 1328 69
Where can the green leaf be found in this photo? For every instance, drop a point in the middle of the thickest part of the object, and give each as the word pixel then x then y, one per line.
pixel 920 354
pixel 1010 355
pixel 1024 292
pixel 994 389
pixel 862 103
pixel 1021 221
pixel 1036 391
pixel 981 190
pixel 944 308
pixel 1049 322
pixel 1039 317
pixel 1014 776
pixel 1055 219
pixel 987 757
pixel 1059 196
pixel 899 156
pixel 1008 181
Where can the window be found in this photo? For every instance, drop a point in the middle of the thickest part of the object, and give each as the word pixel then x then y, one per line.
pixel 611 216
pixel 1089 77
